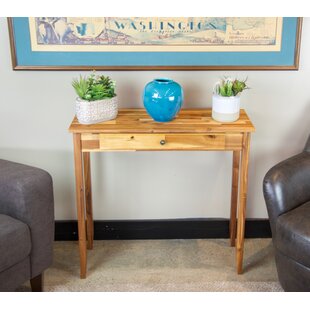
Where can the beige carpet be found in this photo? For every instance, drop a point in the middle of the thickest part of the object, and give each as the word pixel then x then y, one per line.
pixel 163 265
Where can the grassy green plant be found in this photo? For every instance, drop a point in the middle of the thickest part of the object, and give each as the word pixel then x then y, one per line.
pixel 228 87
pixel 94 87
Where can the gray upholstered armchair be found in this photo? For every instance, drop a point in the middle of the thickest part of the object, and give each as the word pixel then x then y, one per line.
pixel 26 225
pixel 287 194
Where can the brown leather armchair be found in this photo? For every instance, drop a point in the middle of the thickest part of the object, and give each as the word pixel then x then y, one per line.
pixel 286 189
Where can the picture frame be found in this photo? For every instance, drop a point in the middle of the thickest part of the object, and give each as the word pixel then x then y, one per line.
pixel 25 58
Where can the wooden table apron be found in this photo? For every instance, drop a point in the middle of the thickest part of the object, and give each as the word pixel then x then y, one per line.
pixel 134 130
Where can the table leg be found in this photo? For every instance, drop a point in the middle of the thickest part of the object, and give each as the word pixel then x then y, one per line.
pixel 242 200
pixel 88 201
pixel 234 197
pixel 79 184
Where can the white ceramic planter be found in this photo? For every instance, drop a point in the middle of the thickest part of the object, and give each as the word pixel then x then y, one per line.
pixel 225 109
pixel 92 112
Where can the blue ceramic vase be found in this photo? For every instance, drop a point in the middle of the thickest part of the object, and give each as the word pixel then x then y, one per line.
pixel 163 99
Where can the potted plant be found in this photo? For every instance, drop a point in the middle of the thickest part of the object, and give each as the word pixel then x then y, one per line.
pixel 226 99
pixel 97 100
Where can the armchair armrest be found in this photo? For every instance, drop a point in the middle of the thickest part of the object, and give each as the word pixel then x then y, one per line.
pixel 26 193
pixel 307 146
pixel 287 186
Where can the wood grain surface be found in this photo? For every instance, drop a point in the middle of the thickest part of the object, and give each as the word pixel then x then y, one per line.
pixel 187 121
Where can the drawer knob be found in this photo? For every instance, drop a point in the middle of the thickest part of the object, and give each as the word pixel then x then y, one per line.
pixel 162 142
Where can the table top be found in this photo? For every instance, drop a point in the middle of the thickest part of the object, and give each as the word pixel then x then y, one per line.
pixel 187 121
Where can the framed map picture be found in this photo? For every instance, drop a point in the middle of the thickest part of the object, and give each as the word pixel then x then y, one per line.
pixel 155 43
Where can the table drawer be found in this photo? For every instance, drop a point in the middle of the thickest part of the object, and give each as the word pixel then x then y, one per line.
pixel 160 142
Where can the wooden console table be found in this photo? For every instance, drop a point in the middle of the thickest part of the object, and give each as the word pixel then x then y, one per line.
pixel 134 130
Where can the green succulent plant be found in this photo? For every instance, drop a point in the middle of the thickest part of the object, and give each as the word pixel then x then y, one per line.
pixel 94 87
pixel 228 87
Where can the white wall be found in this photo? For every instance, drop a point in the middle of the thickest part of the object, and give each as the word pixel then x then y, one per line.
pixel 37 108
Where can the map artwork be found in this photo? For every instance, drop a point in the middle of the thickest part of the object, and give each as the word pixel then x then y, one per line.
pixel 160 34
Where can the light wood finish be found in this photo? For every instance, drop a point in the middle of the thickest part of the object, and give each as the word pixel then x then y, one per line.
pixel 242 201
pixel 297 43
pixel 160 142
pixel 157 68
pixel 88 201
pixel 134 130
pixel 188 121
pixel 79 185
pixel 170 142
pixel 234 197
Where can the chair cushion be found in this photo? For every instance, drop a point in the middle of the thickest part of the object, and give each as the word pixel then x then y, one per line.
pixel 293 234
pixel 15 242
